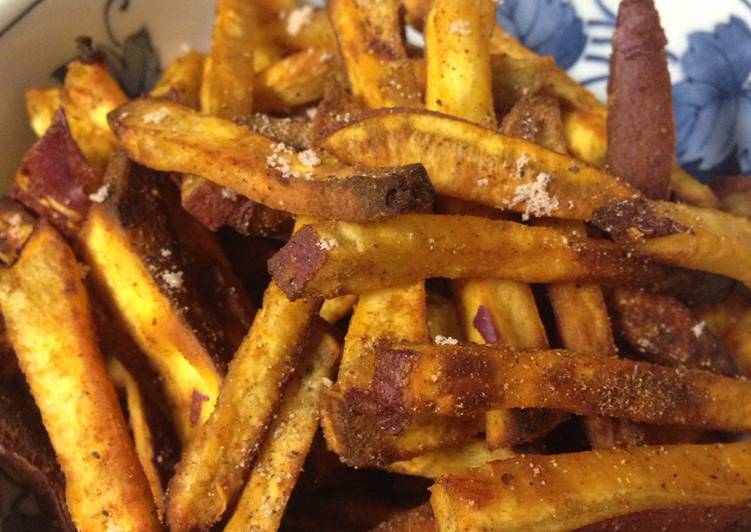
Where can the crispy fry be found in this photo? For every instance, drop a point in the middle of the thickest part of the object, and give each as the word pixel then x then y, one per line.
pixel 47 314
pixel 296 80
pixel 470 162
pixel 681 235
pixel 292 132
pixel 685 487
pixel 336 309
pixel 182 80
pixel 355 258
pixel 139 429
pixel 227 88
pixel 89 93
pixel 214 465
pixel 457 35
pixel 55 179
pixel 418 519
pixel 641 130
pixel 178 299
pixel 451 461
pixel 735 194
pixel 731 321
pixel 42 105
pixel 230 155
pixel 687 189
pixel 288 441
pixel 315 32
pixel 370 40
pixel 661 329
pixel 16 226
pixel 473 379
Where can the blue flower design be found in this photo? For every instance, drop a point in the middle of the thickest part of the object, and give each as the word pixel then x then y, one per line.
pixel 549 27
pixel 713 104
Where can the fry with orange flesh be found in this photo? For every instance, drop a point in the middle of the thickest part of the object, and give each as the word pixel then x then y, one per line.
pixel 335 309
pixel 328 259
pixel 472 163
pixel 41 105
pixel 296 80
pixel 47 315
pixel 139 428
pixel 288 440
pixel 472 379
pixel 681 235
pixel 683 487
pixel 89 93
pixel 213 468
pixel 181 80
pixel 370 40
pixel 158 286
pixel 169 137
pixel 641 130
pixel 457 34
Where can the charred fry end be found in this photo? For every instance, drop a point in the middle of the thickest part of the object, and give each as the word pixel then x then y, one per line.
pixel 634 219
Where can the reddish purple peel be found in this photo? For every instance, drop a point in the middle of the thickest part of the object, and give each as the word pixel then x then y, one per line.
pixel 484 324
pixel 196 404
pixel 55 179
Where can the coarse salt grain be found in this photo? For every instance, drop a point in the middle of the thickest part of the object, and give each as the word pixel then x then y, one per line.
pixel 460 27
pixel 101 194
pixel 309 158
pixel 536 198
pixel 483 182
pixel 166 253
pixel 699 328
pixel 298 18
pixel 155 117
pixel 228 193
pixel 445 340
pixel 327 244
pixel 173 280
pixel 521 164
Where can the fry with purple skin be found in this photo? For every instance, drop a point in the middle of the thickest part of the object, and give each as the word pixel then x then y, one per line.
pixel 641 131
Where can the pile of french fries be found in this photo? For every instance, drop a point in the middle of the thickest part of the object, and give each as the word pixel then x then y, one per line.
pixel 320 278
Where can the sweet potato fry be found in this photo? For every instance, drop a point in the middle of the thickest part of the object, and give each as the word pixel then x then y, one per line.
pixel 289 438
pixel 473 163
pixel 42 105
pixel 47 314
pixel 467 380
pixel 457 37
pixel 169 137
pixel 661 329
pixel 681 235
pixel 641 130
pixel 214 465
pixel 731 321
pixel 452 460
pixel 228 71
pixel 418 519
pixel 370 40
pixel 296 80
pixel 89 93
pixel 55 179
pixel 169 282
pixel 333 258
pixel 684 487
pixel 181 81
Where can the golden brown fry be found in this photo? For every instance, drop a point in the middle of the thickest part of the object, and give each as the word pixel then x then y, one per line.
pixel 288 440
pixel 47 315
pixel 473 163
pixel 227 89
pixel 684 487
pixel 89 93
pixel 457 37
pixel 182 80
pixel 296 80
pixel 466 380
pixel 16 226
pixel 451 461
pixel 418 519
pixel 681 235
pixel 139 429
pixel 734 194
pixel 334 258
pixel 177 299
pixel 731 321
pixel 315 30
pixel 41 105
pixel 370 40
pixel 335 309
pixel 214 465
pixel 166 136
